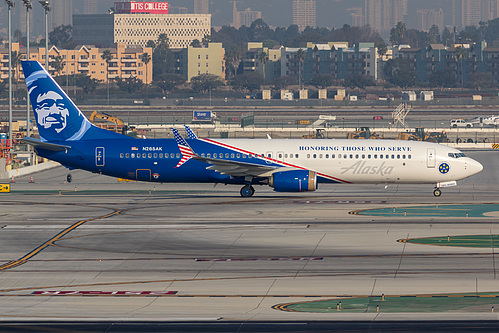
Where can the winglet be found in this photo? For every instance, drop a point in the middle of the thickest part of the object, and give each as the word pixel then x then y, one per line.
pixel 190 133
pixel 186 151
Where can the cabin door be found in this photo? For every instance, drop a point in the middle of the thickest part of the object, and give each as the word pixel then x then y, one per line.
pixel 99 156
pixel 431 158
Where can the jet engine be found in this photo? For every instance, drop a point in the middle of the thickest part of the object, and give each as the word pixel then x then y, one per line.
pixel 294 181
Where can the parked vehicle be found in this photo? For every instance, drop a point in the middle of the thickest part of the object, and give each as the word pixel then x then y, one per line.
pixel 460 123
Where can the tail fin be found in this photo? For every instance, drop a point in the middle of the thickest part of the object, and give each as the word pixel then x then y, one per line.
pixel 190 133
pixel 57 117
pixel 185 149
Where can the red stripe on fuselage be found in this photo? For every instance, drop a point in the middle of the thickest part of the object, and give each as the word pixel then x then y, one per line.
pixel 273 160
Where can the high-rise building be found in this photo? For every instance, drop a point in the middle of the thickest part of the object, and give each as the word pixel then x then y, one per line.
pixel 61 11
pixel 201 6
pixel 472 12
pixel 357 16
pixel 304 13
pixel 426 18
pixel 90 6
pixel 383 15
pixel 245 17
pixel 248 16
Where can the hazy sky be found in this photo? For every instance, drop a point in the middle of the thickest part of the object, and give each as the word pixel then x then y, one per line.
pixel 330 13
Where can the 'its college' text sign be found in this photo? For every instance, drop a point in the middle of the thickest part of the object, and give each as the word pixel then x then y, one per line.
pixel 141 7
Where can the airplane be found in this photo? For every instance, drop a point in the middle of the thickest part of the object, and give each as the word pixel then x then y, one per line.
pixel 287 165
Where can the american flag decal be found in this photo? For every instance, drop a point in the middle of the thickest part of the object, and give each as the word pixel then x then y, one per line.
pixel 190 133
pixel 186 151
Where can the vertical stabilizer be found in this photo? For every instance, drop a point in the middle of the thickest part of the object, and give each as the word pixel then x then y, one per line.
pixel 57 117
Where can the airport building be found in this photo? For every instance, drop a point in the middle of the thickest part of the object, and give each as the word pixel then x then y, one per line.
pixel 135 23
pixel 193 61
pixel 87 60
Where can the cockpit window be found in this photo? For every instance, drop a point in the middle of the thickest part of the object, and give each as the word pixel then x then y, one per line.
pixel 456 155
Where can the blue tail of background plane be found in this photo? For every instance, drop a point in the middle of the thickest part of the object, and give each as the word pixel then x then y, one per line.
pixel 57 117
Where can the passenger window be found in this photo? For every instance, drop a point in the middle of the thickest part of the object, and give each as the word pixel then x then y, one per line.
pixel 161 155
pixel 238 155
pixel 138 155
pixel 226 155
pixel 393 157
pixel 363 156
pixel 149 155
pixel 172 155
pixel 327 155
pixel 368 156
pixel 232 155
pixel 285 155
pixel 356 155
pixel 308 155
pixel 214 155
pixel 178 155
pixel 127 155
pixel 409 156
pixel 333 156
pixel 121 155
pixel 320 155
pixel 144 155
pixel 297 155
pixel 133 155
pixel 207 155
pixel 380 156
pixel 345 156
pixel 398 157
pixel 202 155
pixel 155 155
pixel 315 155
pixel 403 157
pixel 351 156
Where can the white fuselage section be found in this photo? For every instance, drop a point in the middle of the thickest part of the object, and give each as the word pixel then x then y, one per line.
pixel 365 161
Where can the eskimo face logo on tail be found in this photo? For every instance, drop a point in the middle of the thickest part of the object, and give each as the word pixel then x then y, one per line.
pixel 57 117
pixel 51 111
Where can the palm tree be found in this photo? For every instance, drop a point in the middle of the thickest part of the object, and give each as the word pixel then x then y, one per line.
pixel 163 40
pixel 300 56
pixel 233 58
pixel 16 61
pixel 460 53
pixel 196 43
pixel 382 50
pixel 107 57
pixel 264 58
pixel 145 58
pixel 206 40
pixel 58 64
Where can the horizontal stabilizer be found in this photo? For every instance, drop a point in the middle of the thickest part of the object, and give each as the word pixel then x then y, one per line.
pixel 44 145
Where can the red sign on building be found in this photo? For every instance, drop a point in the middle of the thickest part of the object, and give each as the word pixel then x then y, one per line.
pixel 141 7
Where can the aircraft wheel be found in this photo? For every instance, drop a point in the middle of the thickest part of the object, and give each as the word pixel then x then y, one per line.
pixel 69 178
pixel 247 191
pixel 437 192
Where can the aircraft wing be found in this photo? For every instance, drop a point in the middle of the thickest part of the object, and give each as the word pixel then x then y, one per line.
pixel 235 168
pixel 44 145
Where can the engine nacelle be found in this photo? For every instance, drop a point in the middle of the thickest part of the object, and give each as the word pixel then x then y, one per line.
pixel 294 181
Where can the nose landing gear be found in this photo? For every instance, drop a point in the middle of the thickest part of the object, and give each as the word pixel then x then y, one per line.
pixel 437 192
pixel 247 191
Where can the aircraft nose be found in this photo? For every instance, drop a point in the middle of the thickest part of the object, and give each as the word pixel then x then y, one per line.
pixel 474 167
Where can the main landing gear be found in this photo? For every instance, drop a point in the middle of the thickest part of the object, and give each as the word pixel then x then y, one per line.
pixel 437 192
pixel 247 191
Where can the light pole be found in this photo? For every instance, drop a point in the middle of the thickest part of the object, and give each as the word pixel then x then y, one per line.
pixel 10 4
pixel 46 6
pixel 27 3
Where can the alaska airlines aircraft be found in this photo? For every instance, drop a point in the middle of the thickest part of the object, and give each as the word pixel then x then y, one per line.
pixel 66 136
